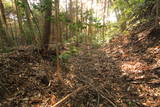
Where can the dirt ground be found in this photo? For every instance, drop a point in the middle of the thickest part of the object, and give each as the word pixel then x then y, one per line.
pixel 124 73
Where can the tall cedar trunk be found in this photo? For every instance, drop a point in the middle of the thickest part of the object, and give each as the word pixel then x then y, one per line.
pixel 71 16
pixel 76 32
pixel 104 17
pixel 35 20
pixel 66 25
pixel 90 26
pixel 53 32
pixel 28 16
pixel 22 33
pixel 47 24
pixel 82 15
pixel 157 13
pixel 3 13
pixel 12 33
pixel 86 30
pixel 58 42
pixel 3 35
pixel 60 32
pixel 57 21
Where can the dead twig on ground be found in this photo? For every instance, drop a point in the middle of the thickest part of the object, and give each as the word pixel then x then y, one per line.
pixel 97 89
pixel 69 95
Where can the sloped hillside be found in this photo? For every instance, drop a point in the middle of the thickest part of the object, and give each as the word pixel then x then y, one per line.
pixel 125 72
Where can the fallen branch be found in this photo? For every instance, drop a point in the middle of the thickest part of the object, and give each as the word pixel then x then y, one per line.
pixel 87 81
pixel 69 95
pixel 102 94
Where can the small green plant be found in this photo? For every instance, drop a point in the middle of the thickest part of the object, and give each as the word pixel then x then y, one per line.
pixel 6 50
pixel 67 54
pixel 54 58
pixel 64 56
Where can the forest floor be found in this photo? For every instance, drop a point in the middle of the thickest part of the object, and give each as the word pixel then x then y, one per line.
pixel 124 73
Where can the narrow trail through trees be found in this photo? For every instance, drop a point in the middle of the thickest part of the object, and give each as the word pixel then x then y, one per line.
pixel 124 73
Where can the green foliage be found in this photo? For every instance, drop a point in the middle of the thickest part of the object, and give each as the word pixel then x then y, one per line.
pixel 88 14
pixel 63 18
pixel 42 6
pixel 77 26
pixel 8 7
pixel 67 54
pixel 131 11
pixel 54 58
pixel 19 3
pixel 110 30
pixel 64 56
pixel 28 35
pixel 5 50
pixel 97 23
pixel 81 37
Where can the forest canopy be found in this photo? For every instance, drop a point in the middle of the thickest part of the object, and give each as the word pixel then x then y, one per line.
pixel 41 22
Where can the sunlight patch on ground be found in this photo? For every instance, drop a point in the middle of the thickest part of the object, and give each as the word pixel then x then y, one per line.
pixel 133 67
pixel 147 91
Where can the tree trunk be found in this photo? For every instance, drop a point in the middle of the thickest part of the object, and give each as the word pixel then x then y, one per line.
pixel 76 32
pixel 66 23
pixel 28 16
pixel 47 25
pixel 157 13
pixel 57 21
pixel 3 29
pixel 104 17
pixel 90 25
pixel 58 43
pixel 19 17
pixel 3 13
pixel 82 15
pixel 3 35
pixel 71 16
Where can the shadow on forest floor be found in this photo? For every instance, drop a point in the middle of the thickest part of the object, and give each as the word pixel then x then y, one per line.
pixel 124 73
